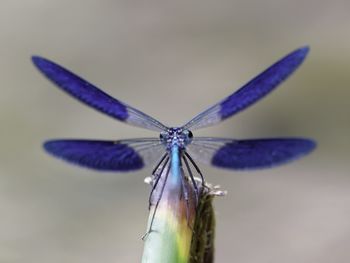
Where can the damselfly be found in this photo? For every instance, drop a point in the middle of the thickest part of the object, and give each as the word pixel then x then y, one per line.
pixel 176 146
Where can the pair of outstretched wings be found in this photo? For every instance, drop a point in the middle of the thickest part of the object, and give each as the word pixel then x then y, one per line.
pixel 134 154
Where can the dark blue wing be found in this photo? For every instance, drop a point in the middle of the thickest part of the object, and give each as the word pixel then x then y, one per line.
pixel 249 154
pixel 122 156
pixel 251 92
pixel 94 97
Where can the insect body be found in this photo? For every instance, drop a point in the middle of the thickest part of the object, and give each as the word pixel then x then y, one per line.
pixel 176 147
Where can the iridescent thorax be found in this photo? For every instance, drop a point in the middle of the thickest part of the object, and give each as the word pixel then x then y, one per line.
pixel 176 136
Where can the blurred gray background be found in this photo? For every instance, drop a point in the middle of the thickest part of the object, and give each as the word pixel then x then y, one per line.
pixel 172 59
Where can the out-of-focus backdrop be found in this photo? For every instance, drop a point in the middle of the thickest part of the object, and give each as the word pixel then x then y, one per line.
pixel 172 59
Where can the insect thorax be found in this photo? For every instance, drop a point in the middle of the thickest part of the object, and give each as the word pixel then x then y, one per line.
pixel 176 136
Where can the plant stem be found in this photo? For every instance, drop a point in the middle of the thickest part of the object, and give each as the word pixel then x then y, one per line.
pixel 170 222
pixel 183 228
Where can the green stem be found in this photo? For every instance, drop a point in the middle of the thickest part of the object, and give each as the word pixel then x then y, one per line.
pixel 169 237
pixel 182 231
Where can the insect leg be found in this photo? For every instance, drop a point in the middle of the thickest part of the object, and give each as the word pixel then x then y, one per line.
pixel 185 195
pixel 196 167
pixel 157 178
pixel 192 178
pixel 159 163
pixel 156 206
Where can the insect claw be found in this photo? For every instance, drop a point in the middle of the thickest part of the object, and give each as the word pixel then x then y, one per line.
pixel 146 235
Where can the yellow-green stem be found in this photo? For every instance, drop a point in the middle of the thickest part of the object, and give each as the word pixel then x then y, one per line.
pixel 170 236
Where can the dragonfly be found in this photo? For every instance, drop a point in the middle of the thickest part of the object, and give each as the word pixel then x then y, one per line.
pixel 177 146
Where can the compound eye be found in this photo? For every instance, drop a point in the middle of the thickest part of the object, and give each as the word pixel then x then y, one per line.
pixel 190 134
pixel 163 136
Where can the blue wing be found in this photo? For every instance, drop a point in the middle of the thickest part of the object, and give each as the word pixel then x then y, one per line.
pixel 249 154
pixel 251 92
pixel 94 97
pixel 121 156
